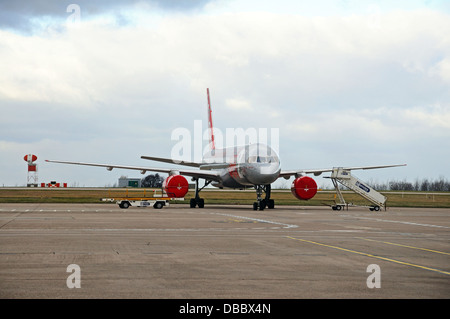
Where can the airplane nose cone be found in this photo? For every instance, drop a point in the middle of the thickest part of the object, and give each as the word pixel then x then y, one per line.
pixel 264 174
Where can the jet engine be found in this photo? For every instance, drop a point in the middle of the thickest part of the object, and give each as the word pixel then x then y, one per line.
pixel 304 188
pixel 176 186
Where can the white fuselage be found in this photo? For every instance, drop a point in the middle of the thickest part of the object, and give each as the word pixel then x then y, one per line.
pixel 254 164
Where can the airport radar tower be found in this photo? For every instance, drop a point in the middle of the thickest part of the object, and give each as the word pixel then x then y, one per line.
pixel 32 178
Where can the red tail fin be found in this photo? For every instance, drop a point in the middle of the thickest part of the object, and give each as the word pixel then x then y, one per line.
pixel 210 124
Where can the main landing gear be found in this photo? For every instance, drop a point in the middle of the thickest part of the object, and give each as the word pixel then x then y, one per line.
pixel 260 203
pixel 197 201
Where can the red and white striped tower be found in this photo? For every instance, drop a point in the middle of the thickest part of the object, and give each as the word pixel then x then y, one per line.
pixel 32 178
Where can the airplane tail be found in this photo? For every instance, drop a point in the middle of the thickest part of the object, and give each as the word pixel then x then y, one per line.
pixel 210 124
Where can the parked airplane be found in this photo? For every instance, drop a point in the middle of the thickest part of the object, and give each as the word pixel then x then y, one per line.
pixel 253 165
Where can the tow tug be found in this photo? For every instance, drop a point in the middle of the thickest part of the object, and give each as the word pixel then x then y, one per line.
pixel 158 201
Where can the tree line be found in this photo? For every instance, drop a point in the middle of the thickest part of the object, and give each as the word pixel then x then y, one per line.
pixel 423 185
pixel 151 180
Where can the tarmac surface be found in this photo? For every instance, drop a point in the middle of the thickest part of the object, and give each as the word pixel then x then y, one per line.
pixel 222 252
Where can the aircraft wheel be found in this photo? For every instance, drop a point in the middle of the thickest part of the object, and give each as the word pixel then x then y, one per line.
pixel 158 205
pixel 262 204
pixel 271 204
pixel 201 203
pixel 192 203
pixel 255 206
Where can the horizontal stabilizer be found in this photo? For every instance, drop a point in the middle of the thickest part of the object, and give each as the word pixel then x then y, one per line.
pixel 171 161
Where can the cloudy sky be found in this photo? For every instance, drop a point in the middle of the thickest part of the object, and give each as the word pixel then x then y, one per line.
pixel 347 83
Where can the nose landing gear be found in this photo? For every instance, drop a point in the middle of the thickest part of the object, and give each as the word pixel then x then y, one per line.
pixel 261 203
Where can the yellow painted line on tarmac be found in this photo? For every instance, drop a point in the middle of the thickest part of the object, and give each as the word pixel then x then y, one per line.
pixel 370 255
pixel 419 248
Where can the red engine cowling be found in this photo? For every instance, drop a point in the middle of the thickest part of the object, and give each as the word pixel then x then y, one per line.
pixel 304 188
pixel 176 186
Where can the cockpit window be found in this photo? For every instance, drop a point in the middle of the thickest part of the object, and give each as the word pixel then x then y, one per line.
pixel 262 159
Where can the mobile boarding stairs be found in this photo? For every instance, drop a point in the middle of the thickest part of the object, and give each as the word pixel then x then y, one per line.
pixel 344 177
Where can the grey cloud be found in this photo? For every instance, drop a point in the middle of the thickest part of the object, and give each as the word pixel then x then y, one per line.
pixel 18 15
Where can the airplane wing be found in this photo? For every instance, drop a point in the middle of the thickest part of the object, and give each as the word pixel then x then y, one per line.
pixel 317 172
pixel 210 175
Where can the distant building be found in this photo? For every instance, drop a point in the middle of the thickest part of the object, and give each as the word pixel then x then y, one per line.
pixel 124 181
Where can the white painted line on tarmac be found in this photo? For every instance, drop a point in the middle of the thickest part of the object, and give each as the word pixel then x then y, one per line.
pixel 258 220
pixel 399 222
